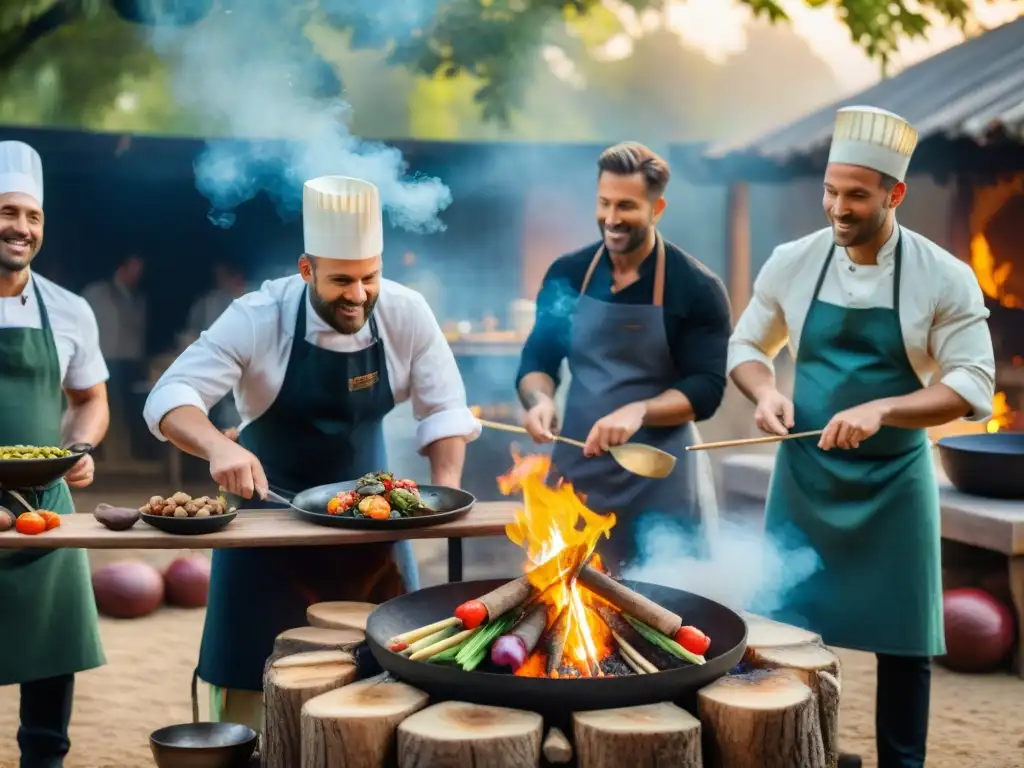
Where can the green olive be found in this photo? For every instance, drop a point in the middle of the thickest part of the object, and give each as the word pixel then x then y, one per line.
pixel 16 452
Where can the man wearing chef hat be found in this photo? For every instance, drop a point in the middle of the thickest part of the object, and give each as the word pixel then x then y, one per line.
pixel 889 335
pixel 49 347
pixel 316 361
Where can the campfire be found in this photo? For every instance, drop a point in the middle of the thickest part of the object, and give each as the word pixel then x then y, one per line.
pixel 564 617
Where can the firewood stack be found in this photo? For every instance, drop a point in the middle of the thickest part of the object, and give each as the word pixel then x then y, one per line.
pixel 317 715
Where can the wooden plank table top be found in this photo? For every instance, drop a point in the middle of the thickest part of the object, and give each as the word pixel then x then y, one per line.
pixel 252 528
pixel 992 524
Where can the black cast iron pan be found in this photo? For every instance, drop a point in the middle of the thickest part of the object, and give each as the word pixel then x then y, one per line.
pixel 450 503
pixel 986 464
pixel 727 630
pixel 17 474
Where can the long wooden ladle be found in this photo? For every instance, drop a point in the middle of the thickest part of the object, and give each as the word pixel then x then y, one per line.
pixel 751 441
pixel 640 459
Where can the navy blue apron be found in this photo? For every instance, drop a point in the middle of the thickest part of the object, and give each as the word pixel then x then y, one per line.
pixel 619 353
pixel 325 426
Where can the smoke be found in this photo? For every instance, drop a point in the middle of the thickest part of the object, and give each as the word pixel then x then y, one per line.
pixel 745 569
pixel 248 69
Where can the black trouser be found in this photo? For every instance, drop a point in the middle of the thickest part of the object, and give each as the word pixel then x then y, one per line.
pixel 901 710
pixel 45 714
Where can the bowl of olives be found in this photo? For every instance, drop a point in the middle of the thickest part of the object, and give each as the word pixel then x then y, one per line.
pixel 32 466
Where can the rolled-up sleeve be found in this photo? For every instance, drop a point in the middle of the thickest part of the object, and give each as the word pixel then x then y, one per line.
pixel 86 368
pixel 437 391
pixel 207 370
pixel 700 352
pixel 761 331
pixel 961 343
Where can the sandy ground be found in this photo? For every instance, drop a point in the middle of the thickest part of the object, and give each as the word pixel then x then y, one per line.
pixel 976 721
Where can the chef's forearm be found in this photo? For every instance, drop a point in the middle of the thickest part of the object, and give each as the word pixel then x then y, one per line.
pixel 535 387
pixel 928 407
pixel 753 379
pixel 87 416
pixel 191 430
pixel 447 457
pixel 669 409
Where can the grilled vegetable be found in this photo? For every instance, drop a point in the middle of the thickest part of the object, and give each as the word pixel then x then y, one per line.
pixel 512 649
pixel 371 489
pixel 375 507
pixel 403 500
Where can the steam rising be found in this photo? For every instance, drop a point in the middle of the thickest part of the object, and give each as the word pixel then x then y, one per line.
pixel 246 69
pixel 745 569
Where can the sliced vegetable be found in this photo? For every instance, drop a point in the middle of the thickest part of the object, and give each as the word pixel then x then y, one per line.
pixel 475 651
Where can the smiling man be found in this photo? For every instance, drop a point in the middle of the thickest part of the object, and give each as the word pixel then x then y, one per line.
pixel 645 330
pixel 316 361
pixel 890 337
pixel 49 348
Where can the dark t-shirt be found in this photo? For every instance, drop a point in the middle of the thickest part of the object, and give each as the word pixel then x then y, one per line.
pixel 698 319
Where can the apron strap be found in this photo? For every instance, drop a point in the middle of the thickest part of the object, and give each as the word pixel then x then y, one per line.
pixel 659 270
pixel 897 270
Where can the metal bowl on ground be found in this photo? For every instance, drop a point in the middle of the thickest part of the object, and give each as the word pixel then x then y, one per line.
pixel 203 745
pixel 727 630
pixel 985 464
pixel 190 526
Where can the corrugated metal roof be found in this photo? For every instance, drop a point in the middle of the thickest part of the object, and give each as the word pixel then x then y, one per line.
pixel 974 90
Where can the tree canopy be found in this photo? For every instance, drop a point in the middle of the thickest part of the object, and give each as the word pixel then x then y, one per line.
pixel 495 43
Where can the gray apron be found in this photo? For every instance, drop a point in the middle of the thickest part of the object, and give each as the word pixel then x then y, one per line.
pixel 619 354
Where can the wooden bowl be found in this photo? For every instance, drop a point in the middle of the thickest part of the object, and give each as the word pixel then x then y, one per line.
pixel 203 745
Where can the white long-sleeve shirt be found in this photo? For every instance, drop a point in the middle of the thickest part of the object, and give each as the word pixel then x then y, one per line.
pixel 246 351
pixel 942 309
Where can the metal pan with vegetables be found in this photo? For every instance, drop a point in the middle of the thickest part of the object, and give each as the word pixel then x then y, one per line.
pixel 382 501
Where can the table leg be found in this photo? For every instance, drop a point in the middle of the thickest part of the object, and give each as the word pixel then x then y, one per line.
pixel 454 560
pixel 1017 593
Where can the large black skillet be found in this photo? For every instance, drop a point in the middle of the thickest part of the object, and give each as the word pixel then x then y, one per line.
pixel 726 628
pixel 986 464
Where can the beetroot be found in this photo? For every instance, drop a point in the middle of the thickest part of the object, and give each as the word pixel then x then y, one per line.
pixel 187 580
pixel 128 589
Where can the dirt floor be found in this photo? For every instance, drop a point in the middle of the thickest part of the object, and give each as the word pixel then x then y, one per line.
pixel 976 721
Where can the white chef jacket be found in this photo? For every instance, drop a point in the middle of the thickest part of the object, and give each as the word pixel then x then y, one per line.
pixel 74 328
pixel 942 309
pixel 247 349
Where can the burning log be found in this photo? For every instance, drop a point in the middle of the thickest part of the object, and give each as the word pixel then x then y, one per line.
pixel 633 603
pixel 495 603
pixel 303 639
pixel 556 748
pixel 555 640
pixel 356 726
pixel 288 683
pixel 454 734
pixel 761 719
pixel 655 734
pixel 340 614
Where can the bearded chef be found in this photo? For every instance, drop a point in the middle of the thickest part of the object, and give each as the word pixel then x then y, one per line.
pixel 316 361
pixel 644 328
pixel 889 335
pixel 49 348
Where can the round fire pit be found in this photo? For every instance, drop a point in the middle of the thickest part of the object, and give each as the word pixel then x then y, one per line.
pixel 726 628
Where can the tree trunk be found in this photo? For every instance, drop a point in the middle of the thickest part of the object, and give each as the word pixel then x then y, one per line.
pixel 304 639
pixel 339 615
pixel 655 735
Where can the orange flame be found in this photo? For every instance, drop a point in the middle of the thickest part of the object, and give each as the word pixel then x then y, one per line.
pixel 993 279
pixel 1002 415
pixel 548 529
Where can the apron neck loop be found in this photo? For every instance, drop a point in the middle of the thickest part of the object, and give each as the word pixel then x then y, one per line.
pixel 659 270
pixel 896 272
pixel 305 306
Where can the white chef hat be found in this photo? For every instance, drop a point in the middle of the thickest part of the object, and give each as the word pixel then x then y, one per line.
pixel 21 170
pixel 873 138
pixel 341 218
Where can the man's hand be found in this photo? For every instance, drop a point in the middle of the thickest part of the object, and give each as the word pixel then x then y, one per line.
pixel 615 429
pixel 541 421
pixel 774 412
pixel 237 471
pixel 82 474
pixel 848 428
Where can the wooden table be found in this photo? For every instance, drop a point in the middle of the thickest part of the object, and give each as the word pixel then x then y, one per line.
pixel 991 524
pixel 265 528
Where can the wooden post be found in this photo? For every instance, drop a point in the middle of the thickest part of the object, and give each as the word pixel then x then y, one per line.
pixel 739 271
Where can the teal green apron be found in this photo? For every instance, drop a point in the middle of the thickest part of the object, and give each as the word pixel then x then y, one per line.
pixel 871 513
pixel 46 598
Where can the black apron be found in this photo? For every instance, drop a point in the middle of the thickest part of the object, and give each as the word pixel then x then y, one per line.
pixel 325 426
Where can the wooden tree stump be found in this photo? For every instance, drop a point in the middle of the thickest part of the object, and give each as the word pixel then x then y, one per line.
pixel 556 748
pixel 454 734
pixel 339 615
pixel 305 639
pixel 761 719
pixel 655 735
pixel 287 684
pixel 776 646
pixel 354 726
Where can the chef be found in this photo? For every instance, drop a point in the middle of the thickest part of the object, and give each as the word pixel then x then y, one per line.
pixel 316 361
pixel 49 348
pixel 889 335
pixel 644 328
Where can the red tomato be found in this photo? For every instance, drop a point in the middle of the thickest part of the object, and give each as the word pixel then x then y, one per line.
pixel 693 640
pixel 472 614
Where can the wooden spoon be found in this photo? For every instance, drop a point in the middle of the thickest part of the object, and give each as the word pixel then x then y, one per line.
pixel 640 459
